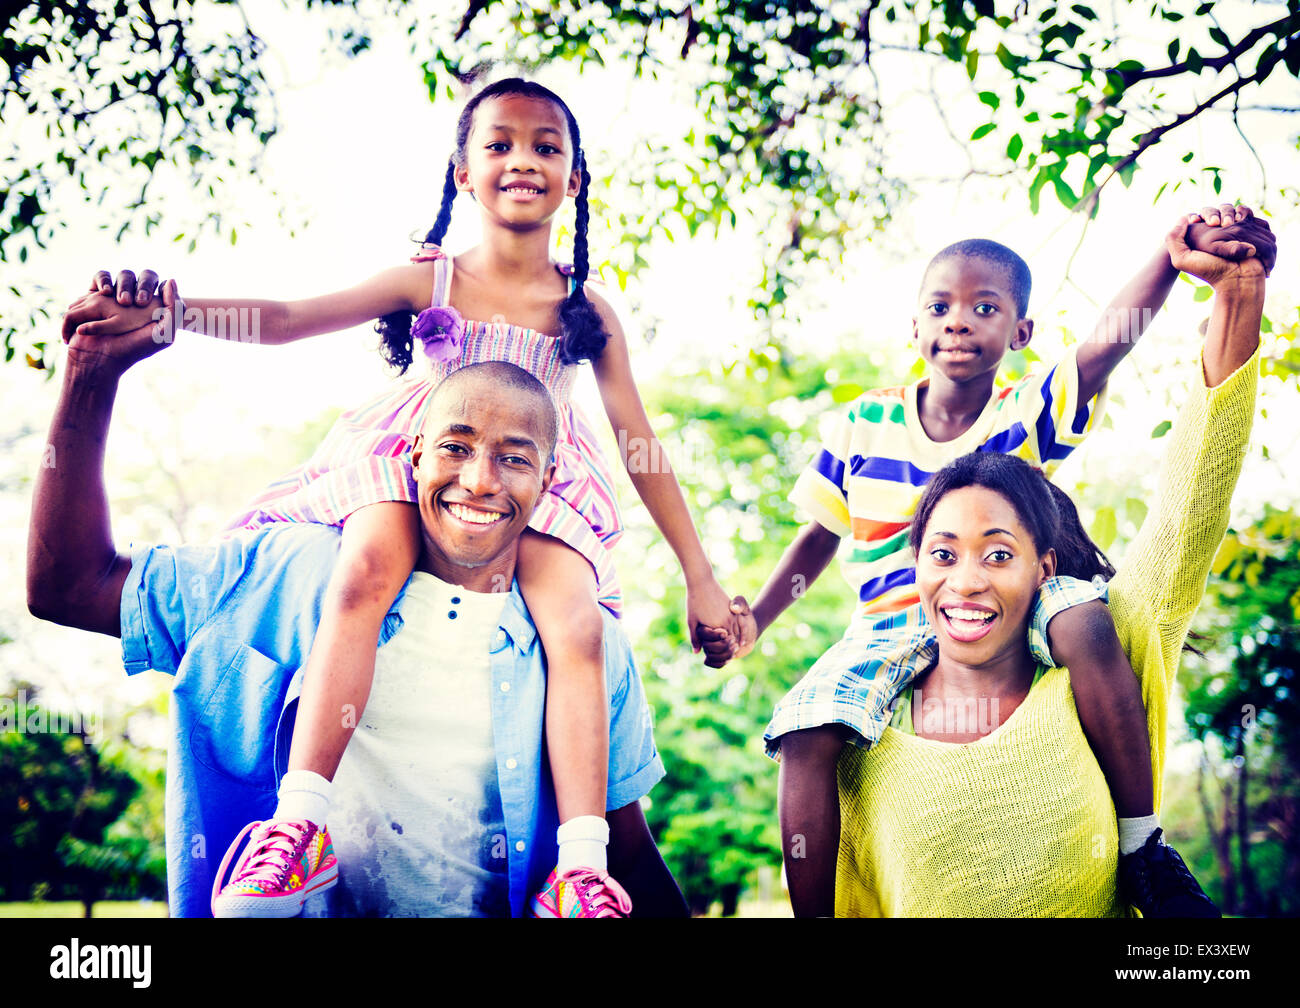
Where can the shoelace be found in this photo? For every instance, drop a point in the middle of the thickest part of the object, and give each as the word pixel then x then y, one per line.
pixel 264 859
pixel 600 892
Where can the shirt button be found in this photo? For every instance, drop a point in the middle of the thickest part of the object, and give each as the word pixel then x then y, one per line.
pixel 500 638
pixel 505 687
pixel 519 846
pixel 451 614
pixel 511 763
pixel 455 600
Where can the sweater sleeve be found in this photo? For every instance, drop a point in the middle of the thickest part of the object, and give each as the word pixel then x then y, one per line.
pixel 1162 577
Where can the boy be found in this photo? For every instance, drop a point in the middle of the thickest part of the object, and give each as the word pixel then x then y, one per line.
pixel 865 483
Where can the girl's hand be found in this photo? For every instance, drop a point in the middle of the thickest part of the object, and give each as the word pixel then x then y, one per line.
pixel 721 645
pixel 98 314
pixel 707 605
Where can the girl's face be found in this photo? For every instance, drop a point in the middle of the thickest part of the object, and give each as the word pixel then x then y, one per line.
pixel 519 161
pixel 977 572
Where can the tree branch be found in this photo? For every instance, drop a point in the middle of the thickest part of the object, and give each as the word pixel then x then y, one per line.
pixel 1153 136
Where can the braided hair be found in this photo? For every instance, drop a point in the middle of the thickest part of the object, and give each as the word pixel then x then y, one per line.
pixel 582 334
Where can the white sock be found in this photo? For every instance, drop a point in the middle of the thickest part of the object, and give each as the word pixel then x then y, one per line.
pixel 1133 832
pixel 582 841
pixel 304 795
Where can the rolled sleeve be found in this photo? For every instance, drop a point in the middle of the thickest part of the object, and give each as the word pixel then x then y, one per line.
pixel 169 593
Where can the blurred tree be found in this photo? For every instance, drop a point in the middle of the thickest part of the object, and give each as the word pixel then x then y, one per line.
pixel 793 127
pixel 60 796
pixel 1245 710
pixel 734 440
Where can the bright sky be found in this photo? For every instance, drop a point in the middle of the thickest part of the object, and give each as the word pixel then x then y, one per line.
pixel 360 157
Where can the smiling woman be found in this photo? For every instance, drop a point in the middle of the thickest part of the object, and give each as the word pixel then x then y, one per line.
pixel 1011 815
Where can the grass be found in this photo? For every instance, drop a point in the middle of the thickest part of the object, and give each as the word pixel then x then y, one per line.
pixel 72 908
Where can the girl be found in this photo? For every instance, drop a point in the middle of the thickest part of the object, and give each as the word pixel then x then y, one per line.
pixel 519 155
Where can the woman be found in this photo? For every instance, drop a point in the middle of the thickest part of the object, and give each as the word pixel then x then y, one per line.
pixel 990 803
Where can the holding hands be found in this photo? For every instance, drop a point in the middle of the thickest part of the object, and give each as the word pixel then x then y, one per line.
pixel 97 332
pixel 1222 244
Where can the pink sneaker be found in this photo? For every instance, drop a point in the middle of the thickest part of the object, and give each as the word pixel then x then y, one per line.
pixel 582 892
pixel 283 864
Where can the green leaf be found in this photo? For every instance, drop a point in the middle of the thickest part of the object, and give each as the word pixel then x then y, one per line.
pixel 1202 294
pixel 1105 527
pixel 990 99
pixel 1161 429
pixel 1014 146
pixel 982 131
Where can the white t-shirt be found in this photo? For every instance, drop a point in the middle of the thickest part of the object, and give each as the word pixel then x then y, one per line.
pixel 416 814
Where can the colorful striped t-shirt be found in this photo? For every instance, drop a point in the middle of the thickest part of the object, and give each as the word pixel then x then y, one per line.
pixel 866 480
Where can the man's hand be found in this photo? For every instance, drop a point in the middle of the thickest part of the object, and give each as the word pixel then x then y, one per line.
pixel 115 344
pixel 1232 232
pixel 128 291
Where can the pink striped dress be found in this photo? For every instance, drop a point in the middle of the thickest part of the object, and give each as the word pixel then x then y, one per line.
pixel 366 456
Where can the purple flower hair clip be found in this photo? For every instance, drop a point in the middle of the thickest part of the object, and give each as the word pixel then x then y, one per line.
pixel 441 329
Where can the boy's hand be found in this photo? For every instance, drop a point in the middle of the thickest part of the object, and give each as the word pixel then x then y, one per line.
pixel 721 644
pixel 1231 231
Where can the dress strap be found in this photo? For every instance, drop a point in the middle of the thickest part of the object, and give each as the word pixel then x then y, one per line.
pixel 441 272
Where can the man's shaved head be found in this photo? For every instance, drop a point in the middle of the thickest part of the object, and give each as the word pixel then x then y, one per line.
pixel 504 379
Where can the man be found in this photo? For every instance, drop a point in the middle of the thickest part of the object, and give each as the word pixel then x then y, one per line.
pixel 233 620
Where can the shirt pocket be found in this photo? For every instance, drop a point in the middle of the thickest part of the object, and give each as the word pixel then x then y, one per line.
pixel 235 731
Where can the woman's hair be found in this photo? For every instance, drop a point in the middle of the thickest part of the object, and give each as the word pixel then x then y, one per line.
pixel 1043 508
pixel 582 335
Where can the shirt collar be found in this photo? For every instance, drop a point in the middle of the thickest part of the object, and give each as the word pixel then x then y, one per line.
pixel 515 620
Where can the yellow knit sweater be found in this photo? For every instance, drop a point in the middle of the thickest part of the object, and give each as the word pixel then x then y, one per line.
pixel 1021 823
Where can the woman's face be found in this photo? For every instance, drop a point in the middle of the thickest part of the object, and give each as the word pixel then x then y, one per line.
pixel 977 572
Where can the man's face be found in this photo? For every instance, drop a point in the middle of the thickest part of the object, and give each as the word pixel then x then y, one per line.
pixel 481 464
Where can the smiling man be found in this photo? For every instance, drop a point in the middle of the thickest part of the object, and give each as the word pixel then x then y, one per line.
pixel 442 805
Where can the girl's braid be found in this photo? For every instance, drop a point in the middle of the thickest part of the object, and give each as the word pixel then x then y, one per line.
pixel 584 335
pixel 395 328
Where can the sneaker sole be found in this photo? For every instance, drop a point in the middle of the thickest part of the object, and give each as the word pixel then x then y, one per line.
pixel 288 905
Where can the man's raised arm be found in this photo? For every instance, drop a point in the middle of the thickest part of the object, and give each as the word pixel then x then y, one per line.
pixel 74 572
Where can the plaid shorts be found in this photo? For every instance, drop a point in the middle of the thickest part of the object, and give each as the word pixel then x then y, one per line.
pixel 856 682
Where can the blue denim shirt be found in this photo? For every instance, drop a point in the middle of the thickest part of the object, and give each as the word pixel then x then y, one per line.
pixel 233 621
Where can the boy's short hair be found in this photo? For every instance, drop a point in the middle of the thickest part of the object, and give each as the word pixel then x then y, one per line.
pixel 1016 269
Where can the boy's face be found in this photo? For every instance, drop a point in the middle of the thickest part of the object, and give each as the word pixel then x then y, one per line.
pixel 967 319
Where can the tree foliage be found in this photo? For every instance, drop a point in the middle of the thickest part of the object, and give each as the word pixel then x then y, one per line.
pixel 796 101
pixel 1248 705
pixel 61 798
pixel 734 438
